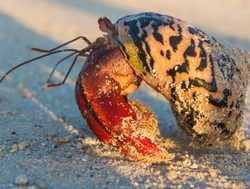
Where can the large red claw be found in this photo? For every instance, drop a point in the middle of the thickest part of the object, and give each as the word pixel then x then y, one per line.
pixel 101 90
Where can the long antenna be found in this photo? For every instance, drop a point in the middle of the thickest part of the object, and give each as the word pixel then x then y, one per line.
pixel 36 58
pixel 62 45
pixel 66 76
pixel 57 64
pixel 97 44
pixel 60 61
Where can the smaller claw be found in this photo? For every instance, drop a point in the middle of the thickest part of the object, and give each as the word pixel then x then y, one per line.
pixel 145 133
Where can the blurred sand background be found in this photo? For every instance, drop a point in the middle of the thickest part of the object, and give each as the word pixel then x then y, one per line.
pixel 39 131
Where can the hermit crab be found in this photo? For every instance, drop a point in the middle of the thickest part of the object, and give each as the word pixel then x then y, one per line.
pixel 204 81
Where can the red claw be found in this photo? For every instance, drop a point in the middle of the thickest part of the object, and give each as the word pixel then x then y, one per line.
pixel 101 90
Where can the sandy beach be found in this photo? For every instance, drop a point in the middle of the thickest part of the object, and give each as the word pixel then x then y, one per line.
pixel 45 142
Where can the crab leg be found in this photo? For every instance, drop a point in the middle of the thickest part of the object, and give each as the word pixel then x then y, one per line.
pixel 101 90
